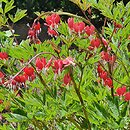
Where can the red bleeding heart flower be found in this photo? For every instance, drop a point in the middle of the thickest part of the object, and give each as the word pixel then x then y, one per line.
pixel 112 59
pixel 103 75
pixel 3 56
pixel 121 91
pixel 32 77
pixel 1 101
pixel 37 27
pixel 31 33
pixel 105 56
pixel 105 42
pixel 29 71
pixel 127 96
pixel 23 79
pixel 37 41
pixel 95 42
pixel 89 30
pixel 99 69
pixel 58 65
pixel 68 61
pixel 67 79
pixel 48 64
pixel 117 25
pixel 53 20
pixel 70 22
pixel 40 63
pixel 13 82
pixel 52 32
pixel 1 75
pixel 79 27
pixel 19 79
pixel 108 82
pixel 90 48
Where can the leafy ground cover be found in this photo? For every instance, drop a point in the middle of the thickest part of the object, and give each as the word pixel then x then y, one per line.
pixel 78 79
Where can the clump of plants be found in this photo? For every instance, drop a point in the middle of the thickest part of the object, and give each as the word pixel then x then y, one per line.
pixel 77 79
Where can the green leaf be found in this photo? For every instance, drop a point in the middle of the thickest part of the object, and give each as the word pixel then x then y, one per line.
pixel 19 15
pixel 9 6
pixel 16 118
pixel 11 17
pixel 4 1
pixel 1 10
pixel 114 110
pixel 124 110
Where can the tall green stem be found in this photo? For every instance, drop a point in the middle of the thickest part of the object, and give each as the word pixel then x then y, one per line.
pixel 80 99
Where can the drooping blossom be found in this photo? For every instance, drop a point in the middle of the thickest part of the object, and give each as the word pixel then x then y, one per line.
pixel 70 22
pixel 3 56
pixel 40 63
pixel 103 75
pixel 29 71
pixel 79 27
pixel 37 27
pixel 108 82
pixel 68 61
pixel 95 42
pixel 67 79
pixel 52 32
pixel 52 21
pixel 57 67
pixel 127 96
pixel 121 91
pixel 89 30
pixel 117 25
pixel 105 42
pixel 33 32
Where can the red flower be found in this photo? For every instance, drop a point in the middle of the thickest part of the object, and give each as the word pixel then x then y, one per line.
pixel 127 96
pixel 38 41
pixel 99 69
pixel 120 91
pixel 52 20
pixel 104 42
pixel 32 77
pixel 90 48
pixel 95 42
pixel 89 30
pixel 31 33
pixel 68 61
pixel 3 55
pixel 70 23
pixel 1 75
pixel 105 56
pixel 117 25
pixel 58 65
pixel 40 63
pixel 79 27
pixel 17 79
pixel 108 82
pixel 52 32
pixel 1 101
pixel 13 82
pixel 22 79
pixel 112 59
pixel 49 63
pixel 67 79
pixel 103 75
pixel 29 71
pixel 37 27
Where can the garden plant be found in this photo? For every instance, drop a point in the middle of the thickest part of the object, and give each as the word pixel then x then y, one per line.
pixel 79 79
